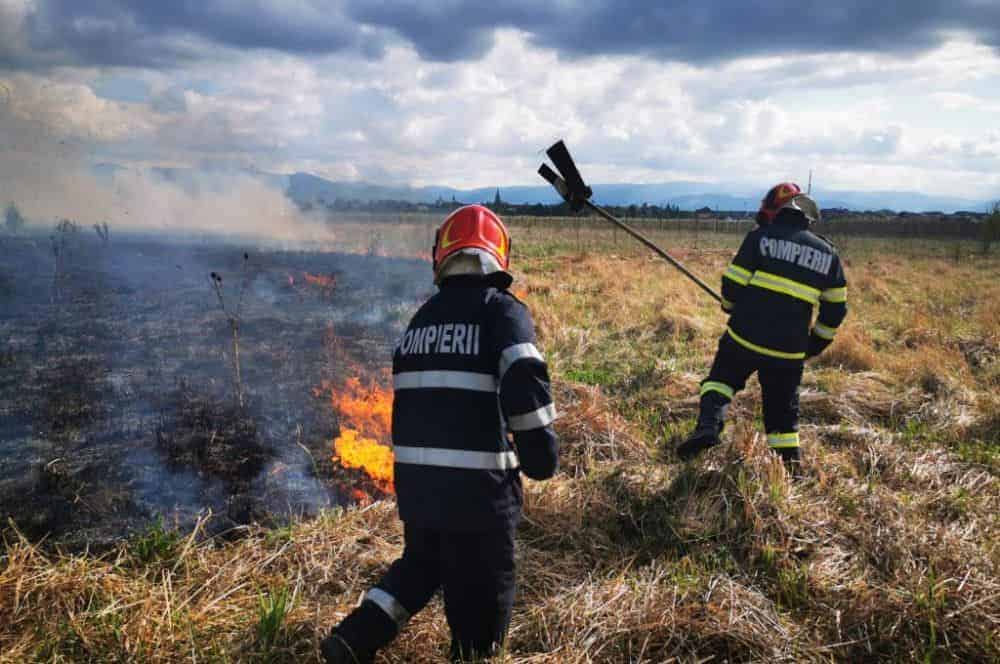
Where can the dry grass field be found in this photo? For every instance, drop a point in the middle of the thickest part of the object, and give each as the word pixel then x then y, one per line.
pixel 888 549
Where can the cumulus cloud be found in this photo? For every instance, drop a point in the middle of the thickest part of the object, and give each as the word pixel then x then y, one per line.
pixel 960 101
pixel 72 111
pixel 980 155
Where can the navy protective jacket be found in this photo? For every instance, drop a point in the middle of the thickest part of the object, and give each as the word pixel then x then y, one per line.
pixel 466 373
pixel 780 274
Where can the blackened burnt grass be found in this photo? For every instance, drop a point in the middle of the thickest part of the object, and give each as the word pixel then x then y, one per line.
pixel 124 402
pixel 886 550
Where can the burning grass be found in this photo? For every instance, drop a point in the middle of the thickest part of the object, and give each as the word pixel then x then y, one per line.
pixel 885 549
pixel 321 284
pixel 364 410
pixel 323 281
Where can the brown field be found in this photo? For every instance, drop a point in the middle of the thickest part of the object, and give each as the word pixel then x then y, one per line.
pixel 887 550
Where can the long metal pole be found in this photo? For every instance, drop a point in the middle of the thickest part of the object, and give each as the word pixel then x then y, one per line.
pixel 560 186
pixel 659 252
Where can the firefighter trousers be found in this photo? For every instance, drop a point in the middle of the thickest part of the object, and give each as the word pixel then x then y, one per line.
pixel 474 570
pixel 779 385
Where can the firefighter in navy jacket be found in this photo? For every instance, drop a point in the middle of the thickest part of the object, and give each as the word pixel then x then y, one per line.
pixel 472 408
pixel 780 275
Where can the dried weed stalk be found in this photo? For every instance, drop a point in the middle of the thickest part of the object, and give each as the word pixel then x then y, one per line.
pixel 233 316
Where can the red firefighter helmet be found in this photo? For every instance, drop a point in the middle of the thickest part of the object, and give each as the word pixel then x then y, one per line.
pixel 472 227
pixel 779 196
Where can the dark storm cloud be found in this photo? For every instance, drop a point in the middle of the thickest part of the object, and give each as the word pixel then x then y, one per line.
pixel 692 31
pixel 453 30
pixel 160 33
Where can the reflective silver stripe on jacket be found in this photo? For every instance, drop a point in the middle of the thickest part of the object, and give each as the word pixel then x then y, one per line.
pixel 472 460
pixel 536 419
pixel 512 354
pixel 389 604
pixel 834 295
pixel 456 380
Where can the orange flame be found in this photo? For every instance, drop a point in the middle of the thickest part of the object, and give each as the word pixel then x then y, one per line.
pixel 367 408
pixel 355 451
pixel 324 281
pixel 366 417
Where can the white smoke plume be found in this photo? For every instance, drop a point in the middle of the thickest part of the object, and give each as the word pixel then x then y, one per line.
pixel 44 169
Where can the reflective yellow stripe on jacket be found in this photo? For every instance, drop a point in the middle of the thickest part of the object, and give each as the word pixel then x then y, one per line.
pixel 778 284
pixel 738 274
pixel 762 350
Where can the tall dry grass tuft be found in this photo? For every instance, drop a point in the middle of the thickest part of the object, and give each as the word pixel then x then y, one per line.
pixel 851 350
pixel 262 598
pixel 591 433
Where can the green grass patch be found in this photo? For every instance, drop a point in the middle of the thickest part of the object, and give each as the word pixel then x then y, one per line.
pixel 590 375
pixel 273 608
pixel 157 545
pixel 980 452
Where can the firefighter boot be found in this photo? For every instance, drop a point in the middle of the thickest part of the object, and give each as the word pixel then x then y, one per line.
pixel 359 636
pixel 789 454
pixel 792 460
pixel 336 651
pixel 711 419
pixel 700 439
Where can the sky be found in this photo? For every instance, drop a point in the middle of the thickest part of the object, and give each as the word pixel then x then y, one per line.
pixel 897 95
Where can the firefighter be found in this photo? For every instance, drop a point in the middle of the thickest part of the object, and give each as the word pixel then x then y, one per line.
pixel 780 274
pixel 466 373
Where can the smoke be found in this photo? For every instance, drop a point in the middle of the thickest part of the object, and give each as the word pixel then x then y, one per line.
pixel 45 169
pixel 139 310
pixel 231 204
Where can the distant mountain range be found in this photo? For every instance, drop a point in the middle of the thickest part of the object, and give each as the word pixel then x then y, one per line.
pixel 307 188
pixel 304 187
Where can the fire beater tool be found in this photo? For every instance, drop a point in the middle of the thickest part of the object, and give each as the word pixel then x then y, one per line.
pixel 575 192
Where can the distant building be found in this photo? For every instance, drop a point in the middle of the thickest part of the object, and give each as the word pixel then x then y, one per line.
pixel 704 213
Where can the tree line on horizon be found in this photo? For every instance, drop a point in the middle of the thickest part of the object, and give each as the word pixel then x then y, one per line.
pixel 14 222
pixel 561 209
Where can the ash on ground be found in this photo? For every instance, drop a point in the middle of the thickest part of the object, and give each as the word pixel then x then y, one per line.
pixel 118 403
